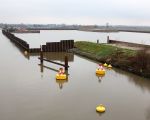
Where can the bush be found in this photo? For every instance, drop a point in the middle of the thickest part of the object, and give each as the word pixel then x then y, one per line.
pixel 141 61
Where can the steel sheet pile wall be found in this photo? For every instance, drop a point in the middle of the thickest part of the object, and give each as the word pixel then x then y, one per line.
pixel 21 43
pixel 34 50
pixel 62 46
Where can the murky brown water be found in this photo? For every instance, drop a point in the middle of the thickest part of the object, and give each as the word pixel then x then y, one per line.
pixel 26 93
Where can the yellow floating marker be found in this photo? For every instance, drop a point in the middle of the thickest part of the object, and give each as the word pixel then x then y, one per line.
pixel 100 71
pixel 109 66
pixel 25 52
pixel 105 65
pixel 61 76
pixel 100 108
pixel 99 75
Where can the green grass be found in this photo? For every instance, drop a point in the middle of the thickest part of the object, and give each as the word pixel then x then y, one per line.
pixel 120 57
pixel 102 50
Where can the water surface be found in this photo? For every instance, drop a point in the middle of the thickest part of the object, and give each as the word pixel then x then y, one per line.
pixel 29 92
pixel 35 40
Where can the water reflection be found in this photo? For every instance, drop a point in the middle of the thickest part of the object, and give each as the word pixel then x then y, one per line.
pixel 61 82
pixel 43 66
pixel 100 114
pixel 56 56
pixel 148 114
pixel 48 55
pixel 100 77
pixel 136 80
pixel 25 94
pixel 60 58
pixel 22 51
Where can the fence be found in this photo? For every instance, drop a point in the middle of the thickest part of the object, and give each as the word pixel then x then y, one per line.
pixel 62 46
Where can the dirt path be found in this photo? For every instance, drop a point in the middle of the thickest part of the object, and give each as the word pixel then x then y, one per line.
pixel 129 47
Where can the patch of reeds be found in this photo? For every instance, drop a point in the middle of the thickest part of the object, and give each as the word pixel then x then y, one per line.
pixel 141 61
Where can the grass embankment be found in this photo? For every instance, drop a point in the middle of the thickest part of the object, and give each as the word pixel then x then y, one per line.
pixel 137 62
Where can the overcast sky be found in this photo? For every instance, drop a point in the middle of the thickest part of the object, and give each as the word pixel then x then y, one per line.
pixel 100 12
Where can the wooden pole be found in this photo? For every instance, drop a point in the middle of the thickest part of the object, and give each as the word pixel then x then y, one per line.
pixel 108 39
pixel 28 48
pixel 66 63
pixel 41 54
pixel 97 41
pixel 41 65
pixel 53 62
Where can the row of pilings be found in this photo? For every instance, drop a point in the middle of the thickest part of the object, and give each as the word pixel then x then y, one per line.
pixel 62 46
pixel 19 42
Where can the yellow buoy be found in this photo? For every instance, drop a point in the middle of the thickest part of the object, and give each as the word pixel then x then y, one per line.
pixel 100 71
pixel 99 75
pixel 25 52
pixel 105 65
pixel 100 108
pixel 109 66
pixel 61 76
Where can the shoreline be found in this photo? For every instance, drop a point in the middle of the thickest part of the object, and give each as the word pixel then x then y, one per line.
pixel 121 63
pixel 114 30
pixel 92 57
pixel 26 31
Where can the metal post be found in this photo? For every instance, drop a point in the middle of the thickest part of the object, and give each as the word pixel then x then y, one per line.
pixel 66 63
